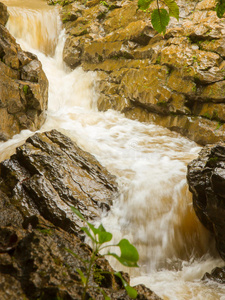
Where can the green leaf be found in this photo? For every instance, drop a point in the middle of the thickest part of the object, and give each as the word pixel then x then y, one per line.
pixel 131 292
pixel 103 235
pixel 92 227
pixel 173 8
pixel 220 8
pixel 160 19
pixel 129 254
pixel 71 252
pixel 78 213
pixel 123 261
pixel 144 4
pixel 128 251
pixel 106 297
pixel 82 276
pixel 77 256
pixel 85 229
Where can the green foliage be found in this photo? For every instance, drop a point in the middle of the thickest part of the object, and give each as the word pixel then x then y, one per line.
pixel 220 8
pixel 219 124
pixel 99 236
pixel 160 19
pixel 160 16
pixel 104 3
pixel 144 4
pixel 173 8
pixel 25 89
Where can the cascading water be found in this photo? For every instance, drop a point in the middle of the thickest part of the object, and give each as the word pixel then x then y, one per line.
pixel 154 210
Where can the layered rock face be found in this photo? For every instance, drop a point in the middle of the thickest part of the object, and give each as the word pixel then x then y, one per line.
pixel 176 81
pixel 38 184
pixel 49 174
pixel 23 86
pixel 206 179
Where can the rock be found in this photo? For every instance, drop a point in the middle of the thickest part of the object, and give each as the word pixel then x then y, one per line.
pixel 3 14
pixel 217 274
pixel 206 179
pixel 50 173
pixel 178 77
pixel 38 184
pixel 23 86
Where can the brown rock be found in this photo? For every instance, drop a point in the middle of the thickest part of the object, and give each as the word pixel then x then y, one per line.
pixel 23 88
pixel 3 14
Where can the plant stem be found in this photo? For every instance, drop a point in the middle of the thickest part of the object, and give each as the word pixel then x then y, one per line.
pixel 93 258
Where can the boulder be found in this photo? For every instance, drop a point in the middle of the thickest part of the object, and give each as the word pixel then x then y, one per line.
pixel 49 174
pixel 38 184
pixel 206 179
pixel 176 81
pixel 23 86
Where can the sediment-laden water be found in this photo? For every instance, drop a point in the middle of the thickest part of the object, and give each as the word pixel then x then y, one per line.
pixel 154 210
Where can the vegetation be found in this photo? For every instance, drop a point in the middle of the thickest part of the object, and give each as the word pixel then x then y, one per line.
pixel 25 89
pixel 160 16
pixel 99 237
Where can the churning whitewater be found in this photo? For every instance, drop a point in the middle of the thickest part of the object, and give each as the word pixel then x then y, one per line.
pixel 154 210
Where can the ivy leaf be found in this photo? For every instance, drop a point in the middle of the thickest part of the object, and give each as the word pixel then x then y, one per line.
pixel 220 8
pixel 132 293
pixel 173 8
pixel 129 255
pixel 144 4
pixel 160 19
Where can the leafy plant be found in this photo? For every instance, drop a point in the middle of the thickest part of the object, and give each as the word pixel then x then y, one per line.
pixel 25 89
pixel 220 8
pixel 160 16
pixel 99 236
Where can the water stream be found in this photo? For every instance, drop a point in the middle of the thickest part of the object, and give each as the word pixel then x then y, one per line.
pixel 154 210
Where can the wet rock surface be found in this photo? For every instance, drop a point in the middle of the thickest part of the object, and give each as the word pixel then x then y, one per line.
pixel 47 175
pixel 206 179
pixel 217 274
pixel 176 81
pixel 50 173
pixel 23 86
pixel 3 14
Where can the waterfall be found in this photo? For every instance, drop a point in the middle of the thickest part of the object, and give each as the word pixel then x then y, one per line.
pixel 154 209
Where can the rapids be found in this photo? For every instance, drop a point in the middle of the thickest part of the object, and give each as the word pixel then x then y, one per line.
pixel 154 210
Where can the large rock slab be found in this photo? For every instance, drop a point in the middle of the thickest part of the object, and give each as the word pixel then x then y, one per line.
pixel 23 86
pixel 38 184
pixel 177 81
pixel 206 179
pixel 50 173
